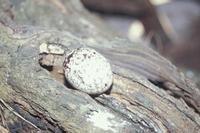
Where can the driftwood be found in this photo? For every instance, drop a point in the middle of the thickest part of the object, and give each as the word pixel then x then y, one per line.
pixel 148 94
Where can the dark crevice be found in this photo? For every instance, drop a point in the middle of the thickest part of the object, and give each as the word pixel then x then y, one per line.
pixel 40 121
pixel 177 94
pixel 160 84
pixel 49 68
pixel 67 84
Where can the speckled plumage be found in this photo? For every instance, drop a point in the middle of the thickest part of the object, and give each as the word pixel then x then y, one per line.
pixel 88 71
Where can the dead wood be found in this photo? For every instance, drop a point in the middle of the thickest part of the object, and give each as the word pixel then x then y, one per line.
pixel 148 94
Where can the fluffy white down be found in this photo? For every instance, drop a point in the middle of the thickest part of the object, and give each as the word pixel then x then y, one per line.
pixel 88 71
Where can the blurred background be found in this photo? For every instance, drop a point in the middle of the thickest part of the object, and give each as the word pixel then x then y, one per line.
pixel 171 27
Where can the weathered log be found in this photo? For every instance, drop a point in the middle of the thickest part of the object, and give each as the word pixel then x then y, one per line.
pixel 148 93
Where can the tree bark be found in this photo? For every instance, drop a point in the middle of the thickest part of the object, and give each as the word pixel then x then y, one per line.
pixel 148 93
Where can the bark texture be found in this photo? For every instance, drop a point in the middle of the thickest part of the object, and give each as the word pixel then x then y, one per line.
pixel 148 93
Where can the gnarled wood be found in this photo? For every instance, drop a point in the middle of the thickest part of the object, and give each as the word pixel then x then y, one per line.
pixel 170 103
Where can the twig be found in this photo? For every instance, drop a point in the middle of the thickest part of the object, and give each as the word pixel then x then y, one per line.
pixel 3 118
pixel 17 114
